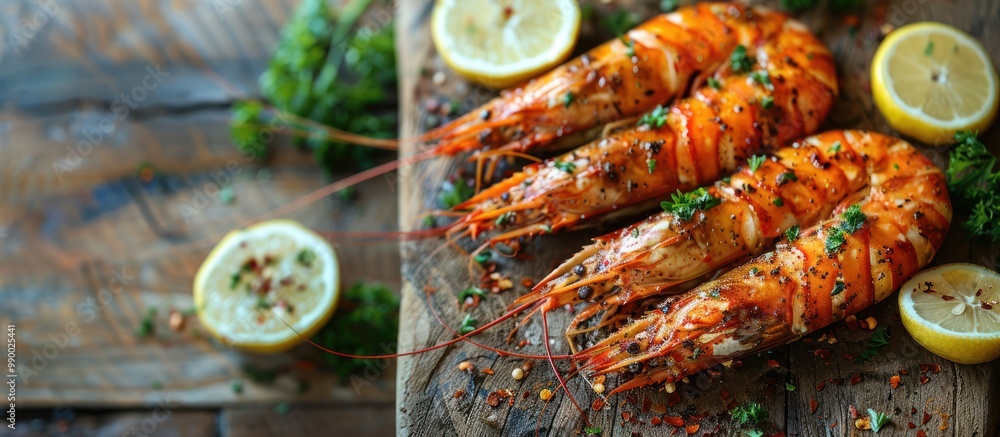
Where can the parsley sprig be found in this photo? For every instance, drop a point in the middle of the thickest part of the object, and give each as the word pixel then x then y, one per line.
pixel 739 62
pixel 851 220
pixel 878 420
pixel 655 118
pixel 879 338
pixel 974 185
pixel 683 205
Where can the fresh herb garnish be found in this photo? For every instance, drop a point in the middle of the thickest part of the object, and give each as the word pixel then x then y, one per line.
pixel 469 292
pixel 655 118
pixel 306 257
pixel 263 304
pixel 683 205
pixel 620 21
pixel 754 433
pixel 853 219
pixel 236 386
pixel 789 386
pixel 453 194
pixel 468 324
pixel 838 287
pixel 234 280
pixel 568 99
pixel 756 161
pixel 974 185
pixel 878 420
pixel 750 413
pixel 635 232
pixel 714 83
pixel 651 165
pixel 483 256
pixel 834 239
pixel 778 202
pixel 761 77
pixel 879 338
pixel 504 218
pixel 326 71
pixel 834 148
pixel 929 48
pixel 566 166
pixel 629 46
pixel 738 60
pixel 767 102
pixel 369 313
pixel 592 430
pixel 146 327
pixel 792 233
pixel 786 177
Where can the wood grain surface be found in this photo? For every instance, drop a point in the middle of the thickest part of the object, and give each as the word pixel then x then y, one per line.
pixel 960 400
pixel 76 220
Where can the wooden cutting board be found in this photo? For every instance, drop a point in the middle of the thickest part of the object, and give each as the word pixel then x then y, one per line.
pixel 960 400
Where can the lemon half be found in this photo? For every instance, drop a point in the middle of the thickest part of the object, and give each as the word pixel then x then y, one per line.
pixel 502 43
pixel 952 311
pixel 931 80
pixel 260 278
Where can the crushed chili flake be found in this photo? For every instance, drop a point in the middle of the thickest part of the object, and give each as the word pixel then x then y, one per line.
pixel 924 379
pixel 921 433
pixel 855 379
pixel 526 395
pixel 822 353
pixel 927 418
pixel 813 405
pixel 853 411
pixel 631 399
pixel 772 363
pixel 913 410
pixel 674 399
pixel 944 422
pixel 646 404
pixel 986 306
pixel 724 394
pixel 911 425
pixel 674 420
pixel 493 399
pixel 933 368
pixel 598 404
pixel 459 393
pixel 821 386
pixel 692 428
pixel 894 381
pixel 655 421
pixel 488 371
pixel 947 297
pixel 626 416
pixel 732 404
pixel 904 372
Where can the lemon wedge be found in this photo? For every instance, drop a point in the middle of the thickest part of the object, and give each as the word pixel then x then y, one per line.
pixel 260 281
pixel 953 311
pixel 502 43
pixel 931 80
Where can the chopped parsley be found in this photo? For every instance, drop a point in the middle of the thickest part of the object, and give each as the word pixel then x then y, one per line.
pixel 787 176
pixel 851 220
pixel 483 256
pixel 454 193
pixel 835 147
pixel 838 287
pixel 620 21
pixel 471 291
pixel 878 420
pixel 263 303
pixel 635 232
pixel 834 239
pixel 755 162
pixel 753 433
pixel 468 324
pixel 568 99
pixel 629 46
pixel 234 280
pixel 504 218
pixel 792 233
pixel 651 164
pixel 714 83
pixel 683 205
pixel 306 257
pixel 929 48
pixel 761 77
pixel 767 102
pixel 655 118
pixel 566 166
pixel 738 61
pixel 750 413
pixel 778 202
pixel 789 386
pixel 879 338
pixel 592 430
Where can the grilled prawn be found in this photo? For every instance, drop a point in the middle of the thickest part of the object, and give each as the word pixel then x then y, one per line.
pixel 842 265
pixel 778 84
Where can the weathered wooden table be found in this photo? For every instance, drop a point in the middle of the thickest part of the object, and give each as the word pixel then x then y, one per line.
pixel 960 400
pixel 89 92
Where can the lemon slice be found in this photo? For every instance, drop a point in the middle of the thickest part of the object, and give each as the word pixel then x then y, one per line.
pixel 931 80
pixel 953 311
pixel 502 43
pixel 260 278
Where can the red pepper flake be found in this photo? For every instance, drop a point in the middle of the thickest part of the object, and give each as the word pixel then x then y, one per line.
pixel 528 282
pixel 855 379
pixel 646 403
pixel 626 416
pixel 724 394
pixel 944 422
pixel 913 410
pixel 692 428
pixel 522 343
pixel 772 363
pixel 598 404
pixel 493 399
pixel 933 368
pixel 985 306
pixel 674 398
pixel 894 381
pixel 488 371
pixel 813 405
pixel 822 353
pixel 674 420
pixel 631 399
pixel 979 292
pixel 853 411
pixel 927 418
pixel 821 386
pixel 904 372
pixel 737 364
pixel 732 404
pixel 655 421
pixel 924 379
pixel 921 433
pixel 659 408
pixel 527 394
pixel 947 297
pixel 911 425
pixel 459 393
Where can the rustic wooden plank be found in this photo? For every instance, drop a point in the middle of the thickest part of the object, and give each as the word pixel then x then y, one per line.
pixel 164 420
pixel 76 221
pixel 426 383
pixel 363 420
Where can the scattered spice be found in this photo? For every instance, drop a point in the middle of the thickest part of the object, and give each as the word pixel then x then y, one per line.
pixel 894 381
pixel 458 393
pixel 468 324
pixel 692 428
pixel 750 413
pixel 493 399
pixel 545 394
pixel 655 118
pixel 878 420
pixel 517 374
pixel 879 339
pixel 466 366
pixel 755 162
pixel 685 204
